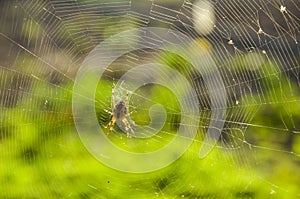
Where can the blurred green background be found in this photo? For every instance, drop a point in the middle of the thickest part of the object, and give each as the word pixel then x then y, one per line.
pixel 43 43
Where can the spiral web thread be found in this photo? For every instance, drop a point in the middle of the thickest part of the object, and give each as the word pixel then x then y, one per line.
pixel 254 45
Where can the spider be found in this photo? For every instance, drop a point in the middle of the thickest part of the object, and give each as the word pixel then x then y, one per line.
pixel 119 112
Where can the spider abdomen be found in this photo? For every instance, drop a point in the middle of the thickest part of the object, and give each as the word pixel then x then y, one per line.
pixel 120 110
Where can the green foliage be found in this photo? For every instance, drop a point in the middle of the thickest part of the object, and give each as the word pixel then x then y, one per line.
pixel 44 158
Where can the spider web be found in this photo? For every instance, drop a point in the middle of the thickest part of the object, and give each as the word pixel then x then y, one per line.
pixel 254 44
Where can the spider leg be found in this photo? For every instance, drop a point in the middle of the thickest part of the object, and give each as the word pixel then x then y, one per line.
pixel 128 114
pixel 127 126
pixel 107 111
pixel 127 103
pixel 127 98
pixel 111 124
